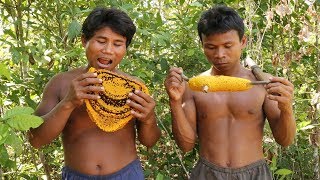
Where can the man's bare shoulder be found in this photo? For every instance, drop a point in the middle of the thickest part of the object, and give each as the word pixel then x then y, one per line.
pixel 252 77
pixel 68 75
pixel 61 81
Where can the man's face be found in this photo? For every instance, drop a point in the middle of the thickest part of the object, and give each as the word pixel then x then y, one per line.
pixel 223 50
pixel 105 49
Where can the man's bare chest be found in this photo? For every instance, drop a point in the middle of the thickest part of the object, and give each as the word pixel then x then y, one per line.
pixel 244 103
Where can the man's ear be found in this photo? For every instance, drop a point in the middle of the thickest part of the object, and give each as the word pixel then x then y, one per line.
pixel 83 41
pixel 243 42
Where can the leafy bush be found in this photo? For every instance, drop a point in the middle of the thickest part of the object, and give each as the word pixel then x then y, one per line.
pixel 283 38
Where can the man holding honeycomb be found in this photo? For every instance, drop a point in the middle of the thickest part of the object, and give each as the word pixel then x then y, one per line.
pixel 228 125
pixel 98 109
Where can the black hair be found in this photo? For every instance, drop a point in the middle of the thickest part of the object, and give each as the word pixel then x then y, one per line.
pixel 117 20
pixel 220 19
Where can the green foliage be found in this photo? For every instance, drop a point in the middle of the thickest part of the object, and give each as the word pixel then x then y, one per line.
pixel 12 123
pixel 279 173
pixel 283 37
pixel 4 71
pixel 23 122
pixel 74 29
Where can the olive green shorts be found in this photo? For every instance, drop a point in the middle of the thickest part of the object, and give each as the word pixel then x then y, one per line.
pixel 204 170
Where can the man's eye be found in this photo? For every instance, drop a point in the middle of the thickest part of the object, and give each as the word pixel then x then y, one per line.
pixel 211 47
pixel 101 42
pixel 118 44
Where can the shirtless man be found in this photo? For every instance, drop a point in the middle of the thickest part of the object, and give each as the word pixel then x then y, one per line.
pixel 228 125
pixel 89 152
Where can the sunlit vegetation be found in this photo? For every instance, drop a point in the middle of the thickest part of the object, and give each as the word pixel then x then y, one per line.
pixel 41 38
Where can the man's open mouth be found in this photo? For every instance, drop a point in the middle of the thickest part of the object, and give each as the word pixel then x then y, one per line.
pixel 104 62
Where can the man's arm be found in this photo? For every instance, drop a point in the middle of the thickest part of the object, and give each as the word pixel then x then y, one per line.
pixel 184 123
pixel 55 113
pixel 279 111
pixel 143 109
pixel 183 111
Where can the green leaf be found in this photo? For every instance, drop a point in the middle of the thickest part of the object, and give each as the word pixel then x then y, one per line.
pixel 16 54
pixel 24 122
pixel 143 32
pixel 303 124
pixel 4 131
pixel 159 176
pixel 196 4
pixel 15 142
pixel 190 52
pixel 127 7
pixel 4 156
pixel 273 164
pixel 30 102
pixel 283 172
pixel 10 32
pixel 7 163
pixel 164 64
pixel 17 111
pixel 74 29
pixel 159 19
pixel 4 71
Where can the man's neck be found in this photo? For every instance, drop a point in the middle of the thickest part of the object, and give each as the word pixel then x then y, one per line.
pixel 235 71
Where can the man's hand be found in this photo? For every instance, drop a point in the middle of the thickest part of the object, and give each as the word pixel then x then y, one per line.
pixel 281 90
pixel 142 106
pixel 143 109
pixel 82 87
pixel 174 84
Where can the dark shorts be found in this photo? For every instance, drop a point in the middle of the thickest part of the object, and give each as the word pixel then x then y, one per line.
pixel 132 171
pixel 204 170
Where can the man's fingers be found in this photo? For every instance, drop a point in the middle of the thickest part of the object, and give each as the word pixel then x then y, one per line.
pixel 141 104
pixel 86 75
pixel 278 84
pixel 282 90
pixel 175 76
pixel 90 96
pixel 82 95
pixel 138 115
pixel 280 99
pixel 87 78
pixel 140 97
pixel 281 80
pixel 175 80
pixel 176 69
pixel 135 105
pixel 93 89
pixel 87 81
pixel 279 88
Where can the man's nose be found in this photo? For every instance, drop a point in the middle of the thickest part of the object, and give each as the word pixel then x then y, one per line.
pixel 107 49
pixel 220 53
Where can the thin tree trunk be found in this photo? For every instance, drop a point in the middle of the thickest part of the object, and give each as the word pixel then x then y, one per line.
pixel 1 108
pixel 20 37
pixel 316 164
pixel 316 116
pixel 45 165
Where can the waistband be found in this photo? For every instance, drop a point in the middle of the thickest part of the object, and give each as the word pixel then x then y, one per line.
pixel 132 164
pixel 253 165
